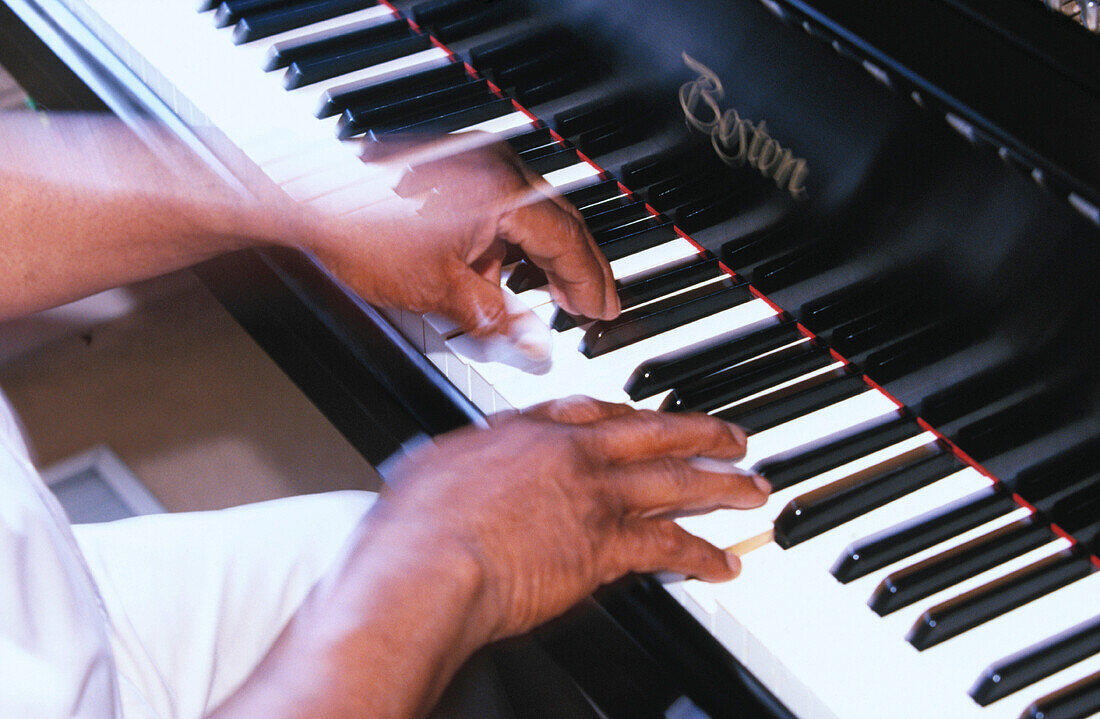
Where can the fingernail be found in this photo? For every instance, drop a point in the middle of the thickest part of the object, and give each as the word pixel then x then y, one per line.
pixel 533 344
pixel 734 563
pixel 762 484
pixel 737 432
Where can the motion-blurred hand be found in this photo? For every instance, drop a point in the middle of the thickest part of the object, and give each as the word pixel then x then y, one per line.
pixel 438 246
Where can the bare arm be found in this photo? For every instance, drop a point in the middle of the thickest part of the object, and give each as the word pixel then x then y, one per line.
pixel 85 207
pixel 487 534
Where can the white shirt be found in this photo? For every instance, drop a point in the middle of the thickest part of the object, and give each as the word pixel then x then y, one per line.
pixel 55 657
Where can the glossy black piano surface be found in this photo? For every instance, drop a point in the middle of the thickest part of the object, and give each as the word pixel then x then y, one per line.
pixel 947 240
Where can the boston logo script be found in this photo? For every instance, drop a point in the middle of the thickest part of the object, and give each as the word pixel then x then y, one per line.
pixel 738 141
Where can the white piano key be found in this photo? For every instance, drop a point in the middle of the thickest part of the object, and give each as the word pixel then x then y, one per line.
pixel 665 254
pixel 338 174
pixel 902 620
pixel 861 410
pixel 382 72
pixel 352 22
pixel 833 368
pixel 314 158
pixel 1015 704
pixel 604 376
pixel 571 175
pixel 728 526
pixel 257 52
pixel 968 655
pixel 514 123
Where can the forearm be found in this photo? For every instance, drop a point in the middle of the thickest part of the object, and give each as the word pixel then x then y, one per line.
pixel 85 207
pixel 381 637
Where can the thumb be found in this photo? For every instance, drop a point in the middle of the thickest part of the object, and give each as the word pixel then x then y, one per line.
pixel 475 303
pixel 483 309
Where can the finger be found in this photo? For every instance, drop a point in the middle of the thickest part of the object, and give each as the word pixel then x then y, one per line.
pixel 562 246
pixel 649 435
pixel 489 264
pixel 661 545
pixel 669 487
pixel 578 410
pixel 475 303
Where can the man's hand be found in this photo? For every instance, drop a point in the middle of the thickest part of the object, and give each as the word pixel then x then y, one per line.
pixel 440 248
pixel 554 502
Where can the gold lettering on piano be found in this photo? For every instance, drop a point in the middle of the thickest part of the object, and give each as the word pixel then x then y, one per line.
pixel 737 140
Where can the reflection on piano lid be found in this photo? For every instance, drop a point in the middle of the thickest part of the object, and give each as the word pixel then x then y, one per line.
pixel 908 346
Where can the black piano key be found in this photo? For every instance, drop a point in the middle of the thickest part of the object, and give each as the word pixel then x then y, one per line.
pixel 1012 426
pixel 797 266
pixel 532 66
pixel 875 329
pixel 916 352
pixel 669 194
pixel 830 506
pixel 650 288
pixel 465 27
pixel 553 161
pixel 231 11
pixel 843 306
pixel 744 253
pixel 526 275
pixel 451 20
pixel 1065 474
pixel 770 414
pixel 1036 662
pixel 458 120
pixel 603 140
pixel 334 41
pixel 665 372
pixel 310 70
pixel 976 393
pixel 890 545
pixel 653 319
pixel 588 117
pixel 600 206
pixel 1079 514
pixel 514 47
pixel 1077 701
pixel 465 93
pixel 272 22
pixel 709 211
pixel 635 237
pixel 594 194
pixel 372 94
pixel 736 383
pixel 436 11
pixel 617 217
pixel 536 141
pixel 923 579
pixel 615 243
pixel 979 605
pixel 678 160
pixel 663 283
pixel 787 471
pixel 538 90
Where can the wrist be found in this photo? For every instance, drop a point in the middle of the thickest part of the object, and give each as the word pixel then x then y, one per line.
pixel 416 563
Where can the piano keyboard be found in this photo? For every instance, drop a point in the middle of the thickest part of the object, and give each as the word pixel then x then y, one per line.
pixel 903 580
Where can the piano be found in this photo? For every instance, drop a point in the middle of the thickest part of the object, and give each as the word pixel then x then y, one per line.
pixel 867 232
